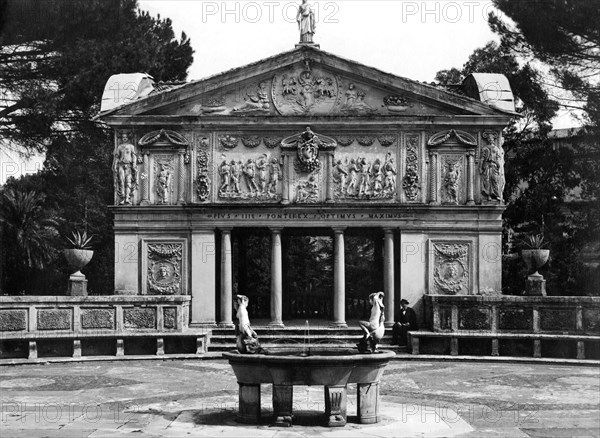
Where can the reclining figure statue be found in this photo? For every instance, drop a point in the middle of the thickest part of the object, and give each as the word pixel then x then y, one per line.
pixel 247 339
pixel 374 328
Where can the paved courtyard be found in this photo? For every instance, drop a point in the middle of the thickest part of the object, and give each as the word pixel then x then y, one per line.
pixel 198 398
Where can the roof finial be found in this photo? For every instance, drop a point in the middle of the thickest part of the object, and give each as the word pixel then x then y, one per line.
pixel 306 24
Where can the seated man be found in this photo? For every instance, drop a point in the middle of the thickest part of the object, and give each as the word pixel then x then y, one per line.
pixel 406 320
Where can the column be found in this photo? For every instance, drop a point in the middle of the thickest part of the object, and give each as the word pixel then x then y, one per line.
pixel 388 276
pixel 470 177
pixel 226 279
pixel 249 404
pixel 181 185
pixel 432 177
pixel 339 279
pixel 204 281
pixel 329 193
pixel 368 403
pixel 283 399
pixel 276 279
pixel 285 187
pixel 146 180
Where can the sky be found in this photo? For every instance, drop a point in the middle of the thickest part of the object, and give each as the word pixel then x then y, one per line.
pixel 410 38
pixel 414 39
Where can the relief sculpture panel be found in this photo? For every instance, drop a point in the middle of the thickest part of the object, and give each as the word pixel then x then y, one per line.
pixel 366 177
pixel 451 267
pixel 164 268
pixel 249 177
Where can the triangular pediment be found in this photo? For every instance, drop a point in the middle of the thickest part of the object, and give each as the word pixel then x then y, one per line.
pixel 305 82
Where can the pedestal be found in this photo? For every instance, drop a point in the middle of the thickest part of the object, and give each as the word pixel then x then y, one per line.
pixel 535 285
pixel 77 285
pixel 283 396
pixel 335 405
pixel 368 403
pixel 249 400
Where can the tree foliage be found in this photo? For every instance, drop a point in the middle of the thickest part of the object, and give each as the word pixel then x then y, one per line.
pixel 563 34
pixel 55 60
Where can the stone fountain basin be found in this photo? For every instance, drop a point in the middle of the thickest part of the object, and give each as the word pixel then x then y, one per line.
pixel 333 369
pixel 320 367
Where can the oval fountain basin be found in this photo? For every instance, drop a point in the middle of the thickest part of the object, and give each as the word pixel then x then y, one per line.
pixel 319 367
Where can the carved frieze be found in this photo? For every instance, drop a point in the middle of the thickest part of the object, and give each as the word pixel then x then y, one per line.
pixel 396 104
pixel 303 90
pixel 452 171
pixel 256 100
pixel 353 101
pixel 251 141
pixel 365 177
pixel 250 178
pixel 170 317
pixel 13 320
pixel 97 318
pixel 308 190
pixel 345 140
pixel 163 178
pixel 411 182
pixel 451 261
pixel 365 140
pixel 387 140
pixel 54 319
pixel 460 136
pixel 164 268
pixel 228 141
pixel 139 318
pixel 272 142
pixel 163 136
pixel 202 180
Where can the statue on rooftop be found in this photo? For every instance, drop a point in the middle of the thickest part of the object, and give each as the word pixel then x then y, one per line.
pixel 306 22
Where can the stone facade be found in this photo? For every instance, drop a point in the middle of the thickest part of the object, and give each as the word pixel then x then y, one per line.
pixel 306 140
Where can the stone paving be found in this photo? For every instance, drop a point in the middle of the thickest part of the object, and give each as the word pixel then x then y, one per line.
pixel 192 398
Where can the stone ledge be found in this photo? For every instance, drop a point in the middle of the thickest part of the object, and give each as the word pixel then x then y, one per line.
pixel 487 334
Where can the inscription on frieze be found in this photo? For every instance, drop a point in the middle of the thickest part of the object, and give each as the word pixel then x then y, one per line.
pixel 97 318
pixel 139 318
pixel 54 319
pixel 13 320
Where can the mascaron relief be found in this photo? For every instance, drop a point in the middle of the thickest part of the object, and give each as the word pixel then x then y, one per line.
pixel 365 178
pixel 250 178
pixel 451 268
pixel 164 268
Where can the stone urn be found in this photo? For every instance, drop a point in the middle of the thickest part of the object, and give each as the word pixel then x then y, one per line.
pixel 535 259
pixel 78 259
pixel 535 284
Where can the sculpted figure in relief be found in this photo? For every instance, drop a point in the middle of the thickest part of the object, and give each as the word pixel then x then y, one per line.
pixel 389 168
pixel 256 103
pixel 163 182
pixel 250 174
pixel 492 168
pixel 274 177
pixel 451 181
pixel 306 22
pixel 125 169
pixel 225 172
pixel 236 175
pixel 365 176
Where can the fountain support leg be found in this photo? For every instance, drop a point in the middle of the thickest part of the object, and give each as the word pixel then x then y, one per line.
pixel 335 405
pixel 283 396
pixel 368 403
pixel 249 399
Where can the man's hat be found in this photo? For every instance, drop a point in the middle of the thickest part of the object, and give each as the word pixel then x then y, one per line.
pixel 403 301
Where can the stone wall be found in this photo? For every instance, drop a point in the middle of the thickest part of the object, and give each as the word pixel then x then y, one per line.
pixel 89 315
pixel 513 314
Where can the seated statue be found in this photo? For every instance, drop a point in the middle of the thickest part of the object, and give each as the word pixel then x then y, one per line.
pixel 374 328
pixel 247 339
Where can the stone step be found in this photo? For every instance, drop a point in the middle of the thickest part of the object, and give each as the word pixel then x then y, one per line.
pixel 267 346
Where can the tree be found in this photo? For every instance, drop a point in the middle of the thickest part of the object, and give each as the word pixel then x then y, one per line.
pixel 563 34
pixel 53 71
pixel 539 176
pixel 29 232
